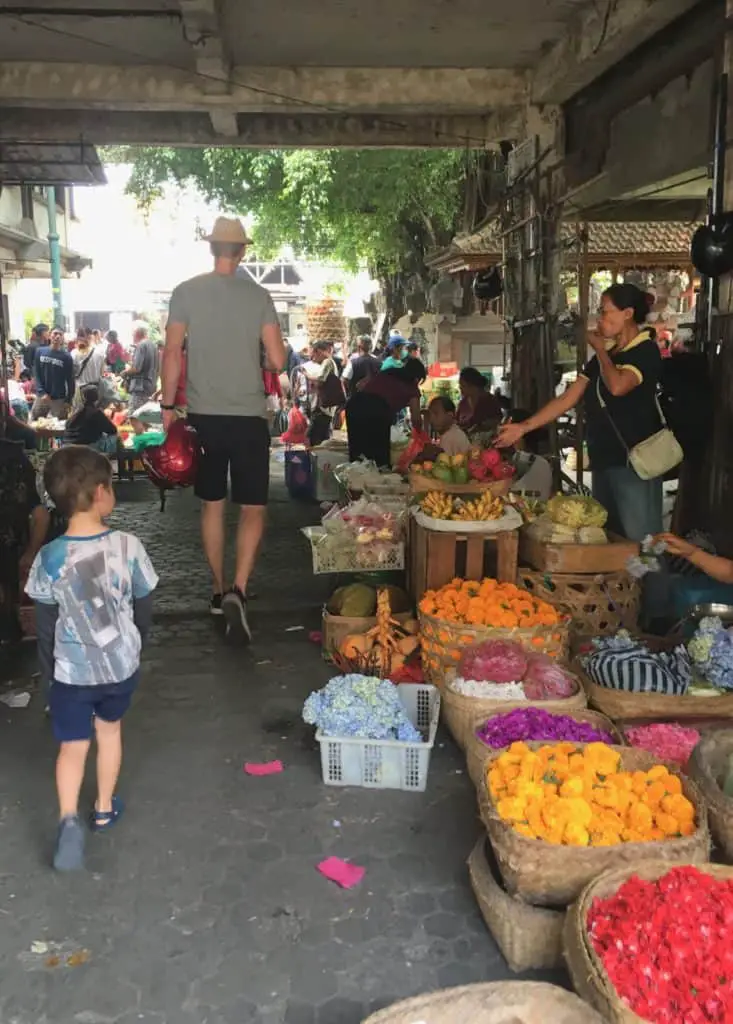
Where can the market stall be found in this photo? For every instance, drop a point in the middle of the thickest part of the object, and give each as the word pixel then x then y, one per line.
pixel 600 757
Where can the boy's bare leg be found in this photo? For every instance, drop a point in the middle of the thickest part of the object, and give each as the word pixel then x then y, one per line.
pixel 109 761
pixel 69 776
pixel 69 853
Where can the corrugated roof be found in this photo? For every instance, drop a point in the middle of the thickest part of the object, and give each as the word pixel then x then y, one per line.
pixel 641 240
pixel 623 237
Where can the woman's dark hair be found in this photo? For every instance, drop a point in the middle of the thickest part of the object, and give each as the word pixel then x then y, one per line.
pixel 112 336
pixel 447 404
pixel 628 296
pixel 412 372
pixel 90 394
pixel 473 377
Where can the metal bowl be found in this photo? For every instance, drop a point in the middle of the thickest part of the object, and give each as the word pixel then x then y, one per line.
pixel 704 611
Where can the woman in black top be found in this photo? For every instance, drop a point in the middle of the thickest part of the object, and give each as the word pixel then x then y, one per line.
pixel 619 387
pixel 90 425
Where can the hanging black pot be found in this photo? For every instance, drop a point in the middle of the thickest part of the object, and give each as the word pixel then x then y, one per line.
pixel 711 250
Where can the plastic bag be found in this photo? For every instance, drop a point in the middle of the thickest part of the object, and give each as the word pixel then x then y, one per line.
pixel 418 440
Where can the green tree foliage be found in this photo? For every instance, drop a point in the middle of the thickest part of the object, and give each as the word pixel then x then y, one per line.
pixel 385 208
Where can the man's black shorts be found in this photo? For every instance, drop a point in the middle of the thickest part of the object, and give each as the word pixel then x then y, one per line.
pixel 233 445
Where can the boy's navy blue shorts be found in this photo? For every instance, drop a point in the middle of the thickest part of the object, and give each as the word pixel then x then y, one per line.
pixel 73 708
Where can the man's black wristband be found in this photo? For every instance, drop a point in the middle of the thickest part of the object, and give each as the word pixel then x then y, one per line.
pixel 168 408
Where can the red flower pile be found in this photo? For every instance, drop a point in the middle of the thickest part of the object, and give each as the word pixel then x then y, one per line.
pixel 667 946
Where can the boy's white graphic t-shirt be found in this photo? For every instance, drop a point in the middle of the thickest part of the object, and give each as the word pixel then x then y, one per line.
pixel 94 581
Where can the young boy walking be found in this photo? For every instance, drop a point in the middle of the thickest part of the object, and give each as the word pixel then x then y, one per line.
pixel 93 590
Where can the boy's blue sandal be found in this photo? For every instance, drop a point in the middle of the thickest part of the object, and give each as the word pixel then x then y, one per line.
pixel 69 853
pixel 102 821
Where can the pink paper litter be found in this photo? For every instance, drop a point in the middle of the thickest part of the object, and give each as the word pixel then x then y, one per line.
pixel 263 768
pixel 341 872
pixel 666 741
pixel 315 636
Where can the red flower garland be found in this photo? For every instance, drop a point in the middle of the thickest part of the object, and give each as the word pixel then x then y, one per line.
pixel 667 946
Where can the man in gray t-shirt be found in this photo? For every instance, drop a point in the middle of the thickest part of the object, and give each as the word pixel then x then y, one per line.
pixel 225 321
pixel 143 373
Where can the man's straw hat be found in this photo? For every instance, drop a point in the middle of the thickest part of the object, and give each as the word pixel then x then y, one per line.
pixel 228 229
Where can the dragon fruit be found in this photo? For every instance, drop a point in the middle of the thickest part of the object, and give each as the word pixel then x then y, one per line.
pixel 494 661
pixel 490 457
pixel 546 680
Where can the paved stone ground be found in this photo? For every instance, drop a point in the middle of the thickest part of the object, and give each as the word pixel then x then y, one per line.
pixel 204 907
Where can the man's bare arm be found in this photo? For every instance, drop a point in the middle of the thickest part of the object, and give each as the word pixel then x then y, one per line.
pixel 170 370
pixel 272 340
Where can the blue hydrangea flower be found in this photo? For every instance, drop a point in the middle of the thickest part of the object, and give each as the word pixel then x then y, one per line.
pixel 362 707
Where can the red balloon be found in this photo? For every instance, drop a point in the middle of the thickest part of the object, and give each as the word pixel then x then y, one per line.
pixel 175 462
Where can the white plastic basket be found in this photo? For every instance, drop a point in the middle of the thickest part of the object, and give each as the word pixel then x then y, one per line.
pixel 386 764
pixel 328 557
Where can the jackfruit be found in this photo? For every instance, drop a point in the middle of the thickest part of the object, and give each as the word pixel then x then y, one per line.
pixel 358 601
pixel 333 605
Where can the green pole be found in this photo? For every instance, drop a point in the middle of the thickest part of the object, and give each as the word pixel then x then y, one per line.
pixel 54 252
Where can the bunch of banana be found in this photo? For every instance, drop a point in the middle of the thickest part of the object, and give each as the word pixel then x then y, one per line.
pixel 479 509
pixel 437 505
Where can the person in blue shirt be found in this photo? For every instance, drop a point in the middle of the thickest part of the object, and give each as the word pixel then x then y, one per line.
pixel 395 353
pixel 53 370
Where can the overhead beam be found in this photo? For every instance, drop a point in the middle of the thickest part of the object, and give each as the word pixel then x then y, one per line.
pixel 202 25
pixel 603 35
pixel 259 130
pixel 263 90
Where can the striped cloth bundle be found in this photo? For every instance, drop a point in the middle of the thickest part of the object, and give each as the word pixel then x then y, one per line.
pixel 622 663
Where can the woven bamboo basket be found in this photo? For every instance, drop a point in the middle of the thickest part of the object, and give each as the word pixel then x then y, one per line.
pixel 588 975
pixel 598 604
pixel 443 642
pixel 460 712
pixel 708 767
pixel 530 938
pixel 549 874
pixel 501 1002
pixel 631 707
pixel 325 321
pixel 335 628
pixel 477 752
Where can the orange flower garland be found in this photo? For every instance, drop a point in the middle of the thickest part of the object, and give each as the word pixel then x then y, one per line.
pixel 488 603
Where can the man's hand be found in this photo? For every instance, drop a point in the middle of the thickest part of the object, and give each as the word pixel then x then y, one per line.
pixel 169 417
pixel 676 545
pixel 509 434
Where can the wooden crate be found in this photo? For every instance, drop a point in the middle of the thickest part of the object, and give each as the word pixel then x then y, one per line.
pixel 576 558
pixel 437 558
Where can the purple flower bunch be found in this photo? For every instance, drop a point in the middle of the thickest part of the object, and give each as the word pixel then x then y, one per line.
pixel 536 724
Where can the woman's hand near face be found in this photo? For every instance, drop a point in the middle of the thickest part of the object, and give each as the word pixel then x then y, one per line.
pixel 509 434
pixel 596 341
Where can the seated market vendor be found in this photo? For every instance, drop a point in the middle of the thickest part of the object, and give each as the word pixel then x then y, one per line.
pixel 442 418
pixel 90 426
pixel 478 410
pixel 715 566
